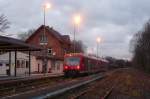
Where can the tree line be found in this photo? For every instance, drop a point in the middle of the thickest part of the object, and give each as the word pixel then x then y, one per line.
pixel 117 63
pixel 140 45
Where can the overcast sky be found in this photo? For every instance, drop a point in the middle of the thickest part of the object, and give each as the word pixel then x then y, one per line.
pixel 115 21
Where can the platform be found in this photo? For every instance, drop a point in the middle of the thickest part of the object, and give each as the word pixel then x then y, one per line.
pixel 26 77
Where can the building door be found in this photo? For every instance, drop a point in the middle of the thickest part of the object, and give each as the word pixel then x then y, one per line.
pixel 53 65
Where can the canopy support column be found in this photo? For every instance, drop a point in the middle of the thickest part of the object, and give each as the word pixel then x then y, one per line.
pixel 15 63
pixel 29 63
pixel 9 63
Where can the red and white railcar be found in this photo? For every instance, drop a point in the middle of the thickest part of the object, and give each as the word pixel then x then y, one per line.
pixel 77 63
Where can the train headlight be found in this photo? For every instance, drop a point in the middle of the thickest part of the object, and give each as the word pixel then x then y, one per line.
pixel 66 67
pixel 78 67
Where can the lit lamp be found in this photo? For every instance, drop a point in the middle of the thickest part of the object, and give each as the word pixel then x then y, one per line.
pixel 77 21
pixel 98 40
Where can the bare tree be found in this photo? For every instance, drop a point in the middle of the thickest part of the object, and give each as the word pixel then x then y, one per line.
pixel 4 23
pixel 79 47
pixel 25 35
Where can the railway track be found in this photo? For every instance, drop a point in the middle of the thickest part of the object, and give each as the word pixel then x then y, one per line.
pixel 87 90
pixel 14 86
pixel 77 86
pixel 56 90
pixel 108 92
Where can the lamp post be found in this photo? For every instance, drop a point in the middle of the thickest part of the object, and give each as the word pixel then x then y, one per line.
pixel 98 40
pixel 46 6
pixel 77 21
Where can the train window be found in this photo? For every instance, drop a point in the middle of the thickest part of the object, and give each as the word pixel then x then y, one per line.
pixel 89 64
pixel 86 63
pixel 73 61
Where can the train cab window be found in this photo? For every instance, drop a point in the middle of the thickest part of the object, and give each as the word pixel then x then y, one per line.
pixel 1 64
pixel 72 61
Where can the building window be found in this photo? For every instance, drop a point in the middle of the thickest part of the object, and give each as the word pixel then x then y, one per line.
pixel 22 64
pixel 49 50
pixel 7 64
pixel 27 64
pixel 18 64
pixel 43 39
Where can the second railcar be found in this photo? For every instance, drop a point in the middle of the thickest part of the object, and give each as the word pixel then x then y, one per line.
pixel 77 63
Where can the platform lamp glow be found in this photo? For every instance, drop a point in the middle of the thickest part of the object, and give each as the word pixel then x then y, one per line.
pixel 46 6
pixel 77 21
pixel 98 40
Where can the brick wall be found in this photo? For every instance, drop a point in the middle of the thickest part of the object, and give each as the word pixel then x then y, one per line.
pixel 53 42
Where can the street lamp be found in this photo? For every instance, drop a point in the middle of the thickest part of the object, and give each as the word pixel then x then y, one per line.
pixel 46 6
pixel 98 40
pixel 77 21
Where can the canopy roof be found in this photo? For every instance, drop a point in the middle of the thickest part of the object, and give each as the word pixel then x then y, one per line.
pixel 12 44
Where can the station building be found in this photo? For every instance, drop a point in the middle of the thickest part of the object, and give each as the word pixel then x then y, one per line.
pixel 55 46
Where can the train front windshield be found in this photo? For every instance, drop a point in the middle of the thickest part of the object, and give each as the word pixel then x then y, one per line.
pixel 72 61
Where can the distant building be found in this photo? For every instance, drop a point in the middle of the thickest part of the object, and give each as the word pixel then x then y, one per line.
pixel 56 46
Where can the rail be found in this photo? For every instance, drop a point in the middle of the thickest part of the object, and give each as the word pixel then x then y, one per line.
pixel 65 89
